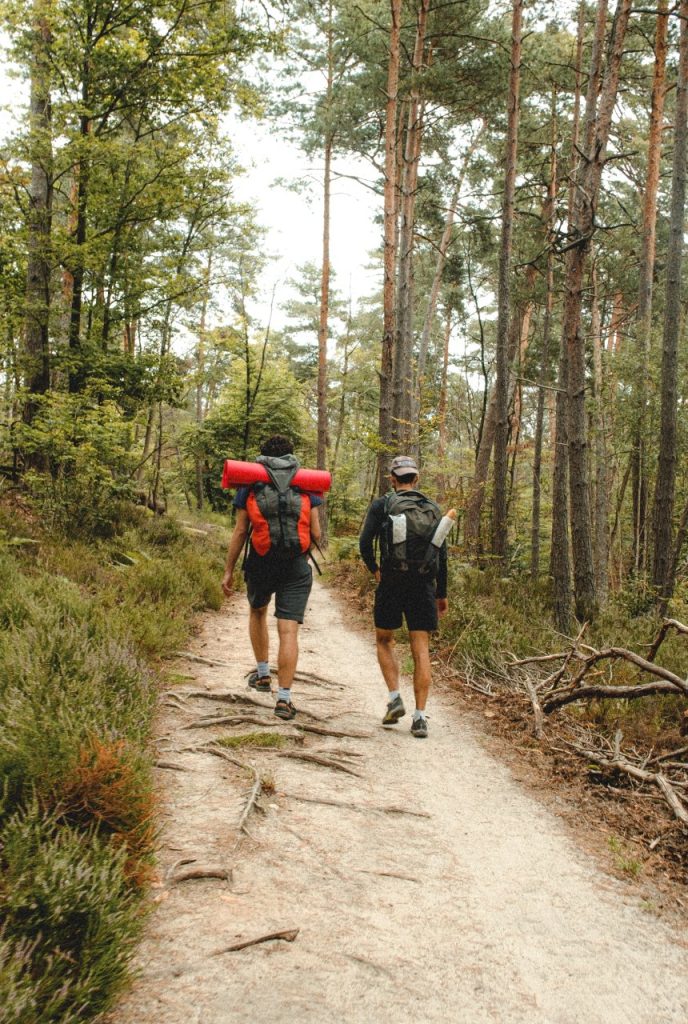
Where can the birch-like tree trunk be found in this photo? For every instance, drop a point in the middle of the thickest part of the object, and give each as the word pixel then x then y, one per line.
pixel 662 574
pixel 36 361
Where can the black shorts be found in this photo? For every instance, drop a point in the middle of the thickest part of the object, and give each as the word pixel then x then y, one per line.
pixel 410 596
pixel 290 581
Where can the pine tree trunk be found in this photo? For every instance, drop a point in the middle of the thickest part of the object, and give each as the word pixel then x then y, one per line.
pixel 36 361
pixel 662 572
pixel 390 248
pixel 499 524
pixel 598 115
pixel 76 368
pixel 601 473
pixel 200 370
pixel 442 413
pixel 646 274
pixel 323 326
pixel 402 388
pixel 545 376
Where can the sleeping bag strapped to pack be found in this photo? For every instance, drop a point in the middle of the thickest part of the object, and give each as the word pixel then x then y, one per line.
pixel 408 529
pixel 279 512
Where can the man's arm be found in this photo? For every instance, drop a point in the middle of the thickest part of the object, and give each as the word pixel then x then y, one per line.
pixel 442 602
pixel 315 525
pixel 371 528
pixel 236 544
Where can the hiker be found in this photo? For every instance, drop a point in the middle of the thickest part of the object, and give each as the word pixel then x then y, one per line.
pixel 412 582
pixel 281 527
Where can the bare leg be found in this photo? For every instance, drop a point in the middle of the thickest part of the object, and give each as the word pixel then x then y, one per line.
pixel 387 658
pixel 420 649
pixel 288 651
pixel 258 632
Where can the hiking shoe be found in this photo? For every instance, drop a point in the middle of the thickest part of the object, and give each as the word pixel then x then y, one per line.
pixel 285 709
pixel 261 684
pixel 395 711
pixel 419 728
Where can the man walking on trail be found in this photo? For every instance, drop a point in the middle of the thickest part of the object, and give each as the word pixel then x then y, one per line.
pixel 412 582
pixel 280 521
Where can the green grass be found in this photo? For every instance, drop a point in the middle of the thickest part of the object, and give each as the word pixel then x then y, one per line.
pixel 82 632
pixel 257 740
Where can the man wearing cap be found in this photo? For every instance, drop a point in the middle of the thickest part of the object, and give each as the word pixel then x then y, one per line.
pixel 418 597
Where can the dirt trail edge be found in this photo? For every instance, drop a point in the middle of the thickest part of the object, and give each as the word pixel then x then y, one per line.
pixel 474 907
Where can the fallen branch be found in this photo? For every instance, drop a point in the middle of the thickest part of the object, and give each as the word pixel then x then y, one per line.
pixel 539 723
pixel 619 764
pixel 286 936
pixel 558 700
pixel 200 660
pixel 170 765
pixel 324 762
pixel 661 635
pixel 669 756
pixel 615 653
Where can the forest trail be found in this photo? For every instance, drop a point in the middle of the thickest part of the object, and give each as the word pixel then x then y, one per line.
pixel 481 909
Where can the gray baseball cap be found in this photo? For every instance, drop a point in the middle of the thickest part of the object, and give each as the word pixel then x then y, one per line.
pixel 403 465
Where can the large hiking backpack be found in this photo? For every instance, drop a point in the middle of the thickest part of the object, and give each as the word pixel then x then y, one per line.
pixel 279 513
pixel 407 531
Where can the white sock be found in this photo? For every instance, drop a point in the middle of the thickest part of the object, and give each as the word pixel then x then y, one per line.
pixel 283 694
pixel 418 714
pixel 393 694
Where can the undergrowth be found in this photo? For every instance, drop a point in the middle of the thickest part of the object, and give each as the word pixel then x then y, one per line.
pixel 83 624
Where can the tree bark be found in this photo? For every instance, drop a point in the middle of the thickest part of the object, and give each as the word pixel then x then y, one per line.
pixel 390 247
pixel 402 388
pixel 545 376
pixel 499 523
pixel 36 361
pixel 323 326
pixel 601 474
pixel 442 413
pixel 598 115
pixel 662 575
pixel 646 273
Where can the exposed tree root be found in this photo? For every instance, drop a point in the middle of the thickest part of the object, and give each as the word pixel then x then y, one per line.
pixel 170 765
pixel 324 762
pixel 362 808
pixel 198 872
pixel 228 697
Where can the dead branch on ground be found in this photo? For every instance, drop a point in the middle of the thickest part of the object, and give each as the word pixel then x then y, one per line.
pixel 363 808
pixel 288 935
pixel 324 762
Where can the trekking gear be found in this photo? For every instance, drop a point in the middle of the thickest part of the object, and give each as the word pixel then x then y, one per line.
pixel 419 728
pixel 279 512
pixel 285 709
pixel 395 711
pixel 407 534
pixel 261 684
pixel 236 473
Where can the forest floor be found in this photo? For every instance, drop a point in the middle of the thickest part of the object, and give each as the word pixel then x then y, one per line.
pixel 413 880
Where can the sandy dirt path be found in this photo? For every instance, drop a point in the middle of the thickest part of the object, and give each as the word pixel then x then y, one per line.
pixel 477 907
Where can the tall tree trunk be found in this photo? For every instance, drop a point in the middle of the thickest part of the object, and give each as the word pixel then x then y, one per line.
pixel 545 376
pixel 200 371
pixel 76 367
pixel 598 116
pixel 439 267
pixel 560 556
pixel 402 388
pixel 662 576
pixel 499 524
pixel 646 274
pixel 390 247
pixel 36 362
pixel 442 412
pixel 323 325
pixel 601 474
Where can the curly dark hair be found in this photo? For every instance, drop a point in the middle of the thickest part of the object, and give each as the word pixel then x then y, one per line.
pixel 277 445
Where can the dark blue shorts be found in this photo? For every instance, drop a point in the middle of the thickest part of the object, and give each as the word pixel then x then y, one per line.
pixel 406 595
pixel 290 581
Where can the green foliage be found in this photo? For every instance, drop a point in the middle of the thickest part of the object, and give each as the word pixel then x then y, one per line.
pixel 258 740
pixel 76 703
pixel 70 919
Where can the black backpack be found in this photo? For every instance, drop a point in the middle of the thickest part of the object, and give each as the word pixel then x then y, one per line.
pixel 408 527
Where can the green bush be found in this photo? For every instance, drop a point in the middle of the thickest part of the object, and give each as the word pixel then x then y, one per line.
pixel 70 918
